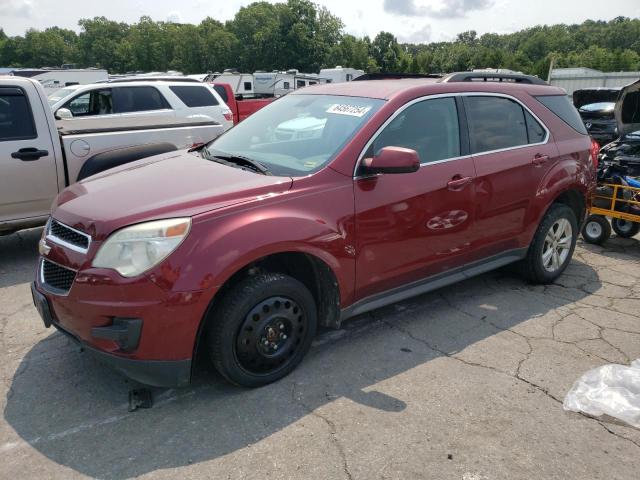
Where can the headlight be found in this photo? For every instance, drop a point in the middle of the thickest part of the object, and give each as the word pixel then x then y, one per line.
pixel 134 250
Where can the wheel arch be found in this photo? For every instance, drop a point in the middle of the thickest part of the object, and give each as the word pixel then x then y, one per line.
pixel 114 158
pixel 311 270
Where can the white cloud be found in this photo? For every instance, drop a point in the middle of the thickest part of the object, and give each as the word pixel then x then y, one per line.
pixel 419 35
pixel 438 9
pixel 16 8
pixel 174 17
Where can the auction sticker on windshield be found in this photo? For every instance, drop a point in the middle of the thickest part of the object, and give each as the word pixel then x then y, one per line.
pixel 353 110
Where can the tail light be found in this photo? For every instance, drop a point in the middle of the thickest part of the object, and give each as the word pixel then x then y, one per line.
pixel 228 115
pixel 595 149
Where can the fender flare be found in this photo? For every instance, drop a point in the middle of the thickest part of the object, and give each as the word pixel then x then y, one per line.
pixel 114 158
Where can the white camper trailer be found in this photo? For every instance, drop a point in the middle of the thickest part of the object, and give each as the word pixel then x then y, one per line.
pixel 241 83
pixel 280 83
pixel 53 79
pixel 340 74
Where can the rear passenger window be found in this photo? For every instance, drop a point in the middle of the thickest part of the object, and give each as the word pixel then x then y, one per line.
pixel 429 127
pixel 495 123
pixel 562 107
pixel 16 121
pixel 535 132
pixel 247 86
pixel 195 96
pixel 137 99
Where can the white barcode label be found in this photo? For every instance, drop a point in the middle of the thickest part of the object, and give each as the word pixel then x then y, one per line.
pixel 352 110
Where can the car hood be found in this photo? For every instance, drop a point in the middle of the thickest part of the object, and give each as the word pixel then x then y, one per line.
pixel 627 111
pixel 589 96
pixel 174 184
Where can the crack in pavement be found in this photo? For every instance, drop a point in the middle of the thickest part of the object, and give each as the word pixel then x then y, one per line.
pixel 333 432
pixel 517 376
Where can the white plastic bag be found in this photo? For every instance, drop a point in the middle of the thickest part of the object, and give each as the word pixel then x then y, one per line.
pixel 613 390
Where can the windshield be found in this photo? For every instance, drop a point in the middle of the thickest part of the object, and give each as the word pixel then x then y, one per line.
pixel 60 94
pixel 297 134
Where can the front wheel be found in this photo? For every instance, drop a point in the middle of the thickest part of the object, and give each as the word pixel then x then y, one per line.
pixel 552 246
pixel 625 228
pixel 261 329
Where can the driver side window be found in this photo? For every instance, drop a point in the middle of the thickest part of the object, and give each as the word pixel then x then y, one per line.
pixel 94 102
pixel 429 127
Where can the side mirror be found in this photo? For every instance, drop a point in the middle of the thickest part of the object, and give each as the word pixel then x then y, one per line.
pixel 64 114
pixel 393 160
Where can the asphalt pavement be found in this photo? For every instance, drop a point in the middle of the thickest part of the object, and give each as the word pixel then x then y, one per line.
pixel 462 383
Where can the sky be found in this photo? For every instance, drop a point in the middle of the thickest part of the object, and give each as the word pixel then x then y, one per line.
pixel 413 21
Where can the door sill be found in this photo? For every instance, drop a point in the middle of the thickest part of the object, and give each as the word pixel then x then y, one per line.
pixel 432 283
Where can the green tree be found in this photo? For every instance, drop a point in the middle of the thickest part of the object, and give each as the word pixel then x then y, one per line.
pixel 386 52
pixel 99 40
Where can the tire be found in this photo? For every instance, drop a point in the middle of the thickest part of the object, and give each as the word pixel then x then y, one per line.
pixel 272 308
pixel 557 245
pixel 596 230
pixel 625 228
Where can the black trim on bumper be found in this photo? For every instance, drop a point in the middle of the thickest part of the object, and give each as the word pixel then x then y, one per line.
pixel 157 373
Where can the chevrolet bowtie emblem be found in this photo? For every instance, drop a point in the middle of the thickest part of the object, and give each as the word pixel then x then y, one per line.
pixel 43 248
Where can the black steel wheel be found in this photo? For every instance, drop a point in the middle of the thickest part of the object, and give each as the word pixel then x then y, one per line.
pixel 261 329
pixel 271 333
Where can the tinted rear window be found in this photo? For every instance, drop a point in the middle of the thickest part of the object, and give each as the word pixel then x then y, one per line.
pixel 137 99
pixel 220 90
pixel 195 96
pixel 495 123
pixel 562 107
pixel 16 121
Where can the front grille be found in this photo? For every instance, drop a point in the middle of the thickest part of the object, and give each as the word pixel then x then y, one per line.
pixel 56 277
pixel 68 235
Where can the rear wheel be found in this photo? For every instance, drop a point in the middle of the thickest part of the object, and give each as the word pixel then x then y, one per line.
pixel 261 329
pixel 625 228
pixel 596 230
pixel 552 246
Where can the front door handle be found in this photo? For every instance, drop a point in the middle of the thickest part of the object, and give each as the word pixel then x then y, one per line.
pixel 539 159
pixel 29 154
pixel 458 182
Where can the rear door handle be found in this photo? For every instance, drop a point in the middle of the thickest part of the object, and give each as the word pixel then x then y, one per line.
pixel 539 159
pixel 29 154
pixel 458 182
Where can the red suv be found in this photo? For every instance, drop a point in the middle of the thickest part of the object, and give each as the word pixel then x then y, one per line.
pixel 329 202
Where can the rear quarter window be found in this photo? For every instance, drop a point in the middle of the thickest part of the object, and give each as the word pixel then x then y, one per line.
pixel 16 120
pixel 195 95
pixel 220 90
pixel 563 108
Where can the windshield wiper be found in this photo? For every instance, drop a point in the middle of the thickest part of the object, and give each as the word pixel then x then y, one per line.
pixel 241 161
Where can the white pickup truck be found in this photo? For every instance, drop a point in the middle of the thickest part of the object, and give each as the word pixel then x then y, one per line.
pixel 38 159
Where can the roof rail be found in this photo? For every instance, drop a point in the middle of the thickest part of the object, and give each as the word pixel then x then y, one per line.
pixel 395 76
pixel 166 78
pixel 492 77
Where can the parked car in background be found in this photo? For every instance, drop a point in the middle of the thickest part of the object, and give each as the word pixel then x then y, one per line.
pixel 624 152
pixel 243 248
pixel 596 107
pixel 135 103
pixel 240 107
pixel 38 158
